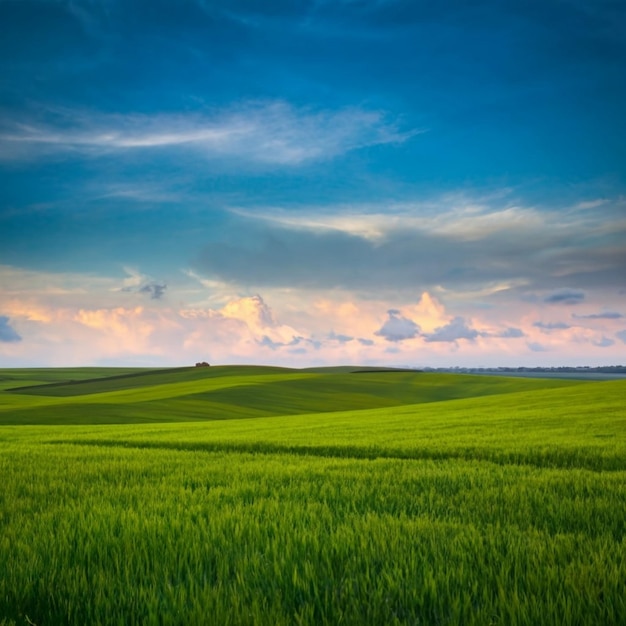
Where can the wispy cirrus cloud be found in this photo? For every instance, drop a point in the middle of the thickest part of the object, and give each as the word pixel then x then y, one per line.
pixel 456 216
pixel 264 132
pixel 449 217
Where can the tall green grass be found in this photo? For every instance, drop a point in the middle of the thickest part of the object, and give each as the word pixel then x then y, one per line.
pixel 105 536
pixel 498 509
pixel 578 426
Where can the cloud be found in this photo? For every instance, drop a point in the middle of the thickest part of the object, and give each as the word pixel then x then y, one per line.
pixel 153 289
pixel 266 132
pixel 565 296
pixel 96 323
pixel 552 325
pixel 248 330
pixel 506 333
pixel 397 328
pixel 136 282
pixel 459 219
pixel 7 333
pixel 428 313
pixel 267 342
pixel 609 315
pixel 260 323
pixel 295 341
pixel 253 310
pixel 621 335
pixel 511 333
pixel 420 247
pixel 456 329
pixel 236 332
pixel 536 347
pixel 339 337
pixel 604 342
pixel 457 216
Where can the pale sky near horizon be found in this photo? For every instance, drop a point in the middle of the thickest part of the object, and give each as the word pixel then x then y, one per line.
pixel 312 182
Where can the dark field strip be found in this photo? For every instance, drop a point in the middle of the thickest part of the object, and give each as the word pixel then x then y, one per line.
pixel 557 458
pixel 78 387
pixel 25 377
pixel 103 379
pixel 151 377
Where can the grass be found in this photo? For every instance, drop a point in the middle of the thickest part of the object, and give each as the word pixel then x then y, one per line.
pixel 215 393
pixel 40 376
pixel 433 499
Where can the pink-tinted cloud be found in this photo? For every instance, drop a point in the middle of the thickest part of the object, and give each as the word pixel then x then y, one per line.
pixel 72 323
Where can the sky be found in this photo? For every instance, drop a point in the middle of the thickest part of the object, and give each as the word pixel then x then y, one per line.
pixel 312 182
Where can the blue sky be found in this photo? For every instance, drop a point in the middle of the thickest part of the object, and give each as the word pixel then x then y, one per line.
pixel 435 183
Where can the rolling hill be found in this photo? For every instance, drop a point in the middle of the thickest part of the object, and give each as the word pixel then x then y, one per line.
pixel 225 392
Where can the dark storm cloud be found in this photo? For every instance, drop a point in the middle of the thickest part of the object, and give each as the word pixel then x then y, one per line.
pixel 7 333
pixel 397 327
pixel 457 329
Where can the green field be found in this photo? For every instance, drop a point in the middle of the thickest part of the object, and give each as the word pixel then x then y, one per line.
pixel 251 495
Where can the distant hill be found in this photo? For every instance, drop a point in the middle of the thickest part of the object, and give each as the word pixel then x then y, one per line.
pixel 93 396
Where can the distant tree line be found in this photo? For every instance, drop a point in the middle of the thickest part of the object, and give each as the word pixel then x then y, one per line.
pixel 586 369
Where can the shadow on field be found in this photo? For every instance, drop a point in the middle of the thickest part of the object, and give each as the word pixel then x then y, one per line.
pixel 557 458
